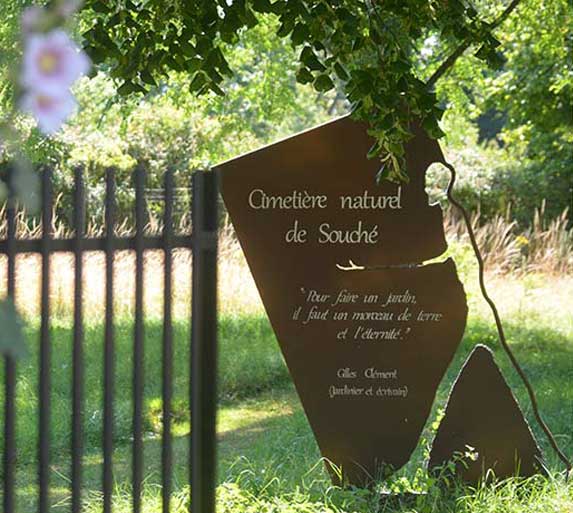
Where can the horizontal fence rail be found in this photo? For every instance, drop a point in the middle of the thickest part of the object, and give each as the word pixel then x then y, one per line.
pixel 202 241
pixel 94 244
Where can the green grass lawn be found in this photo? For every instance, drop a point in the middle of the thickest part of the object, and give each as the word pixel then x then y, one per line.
pixel 249 360
pixel 269 460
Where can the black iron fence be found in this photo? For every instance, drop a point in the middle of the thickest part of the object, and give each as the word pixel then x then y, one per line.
pixel 202 395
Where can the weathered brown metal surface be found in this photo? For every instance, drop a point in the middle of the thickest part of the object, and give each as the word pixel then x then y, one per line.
pixel 366 349
pixel 482 413
pixel 332 160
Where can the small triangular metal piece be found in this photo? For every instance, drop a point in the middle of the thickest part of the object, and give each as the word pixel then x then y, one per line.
pixel 483 417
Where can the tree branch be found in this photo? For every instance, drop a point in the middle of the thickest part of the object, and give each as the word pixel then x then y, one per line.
pixel 459 51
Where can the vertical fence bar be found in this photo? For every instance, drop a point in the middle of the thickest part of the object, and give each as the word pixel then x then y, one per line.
pixel 204 343
pixel 78 356
pixel 166 450
pixel 45 346
pixel 138 345
pixel 109 349
pixel 10 371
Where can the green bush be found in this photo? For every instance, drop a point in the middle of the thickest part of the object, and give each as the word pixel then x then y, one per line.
pixel 494 181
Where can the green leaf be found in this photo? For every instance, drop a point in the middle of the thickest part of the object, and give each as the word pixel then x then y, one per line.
pixel 431 126
pixel 131 23
pixel 99 36
pixel 317 45
pixel 199 81
pixel 493 42
pixel 482 52
pixel 403 84
pixel 387 122
pixel 488 54
pixel 12 341
pixel 364 81
pixel 323 83
pixel 116 19
pixel 496 60
pixel 101 7
pixel 286 27
pixel 250 19
pixel 174 63
pixel 471 12
pixel 147 78
pixel 96 54
pixel 229 36
pixel 357 44
pixel 262 6
pixel 304 76
pixel 129 87
pixel 310 60
pixel 187 48
pixel 194 64
pixel 427 100
pixel 216 89
pixel 126 88
pixel 438 112
pixel 319 10
pixel 344 14
pixel 375 36
pixel 215 76
pixel 400 67
pixel 225 68
pixel 300 34
pixel 204 46
pixel 341 72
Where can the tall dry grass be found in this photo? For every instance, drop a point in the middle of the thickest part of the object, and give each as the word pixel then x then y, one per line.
pixel 549 244
pixel 547 248
pixel 238 292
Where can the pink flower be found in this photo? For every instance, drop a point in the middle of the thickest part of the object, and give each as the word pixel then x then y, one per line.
pixel 52 63
pixel 68 7
pixel 50 111
pixel 32 18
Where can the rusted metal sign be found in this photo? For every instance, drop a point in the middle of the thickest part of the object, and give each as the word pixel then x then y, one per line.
pixel 483 427
pixel 366 348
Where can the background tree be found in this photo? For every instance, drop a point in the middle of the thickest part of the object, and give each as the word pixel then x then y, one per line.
pixel 170 126
pixel 508 129
pixel 522 112
pixel 370 47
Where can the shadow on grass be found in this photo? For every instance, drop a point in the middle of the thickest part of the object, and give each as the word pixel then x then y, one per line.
pixel 231 441
pixel 264 439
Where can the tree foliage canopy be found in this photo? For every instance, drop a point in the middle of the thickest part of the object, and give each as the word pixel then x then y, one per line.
pixel 370 48
pixel 520 112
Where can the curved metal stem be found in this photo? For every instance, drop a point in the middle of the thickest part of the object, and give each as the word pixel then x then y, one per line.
pixel 500 331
